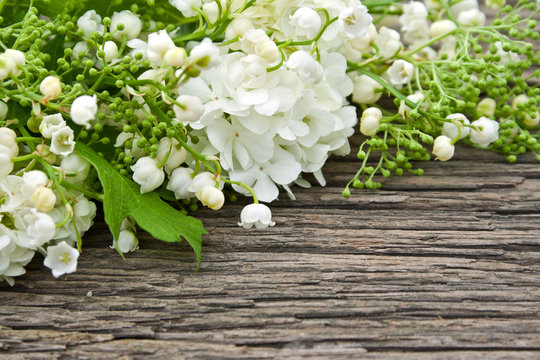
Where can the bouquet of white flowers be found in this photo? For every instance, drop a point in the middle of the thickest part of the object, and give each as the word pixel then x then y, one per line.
pixel 147 103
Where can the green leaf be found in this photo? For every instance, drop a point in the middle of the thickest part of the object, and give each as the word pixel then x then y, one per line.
pixel 122 198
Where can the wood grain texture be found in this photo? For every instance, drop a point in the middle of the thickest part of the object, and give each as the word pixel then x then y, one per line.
pixel 444 266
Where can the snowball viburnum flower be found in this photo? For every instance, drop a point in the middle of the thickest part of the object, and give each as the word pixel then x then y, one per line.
pixel 443 148
pixel 258 215
pixel 147 174
pixel 61 259
pixel 84 109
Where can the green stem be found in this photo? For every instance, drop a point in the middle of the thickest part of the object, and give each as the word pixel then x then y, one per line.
pixel 80 189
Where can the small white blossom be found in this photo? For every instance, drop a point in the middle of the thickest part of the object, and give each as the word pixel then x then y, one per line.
pixel 356 20
pixel 132 25
pixel 62 141
pixel 50 124
pixel 388 42
pixel 80 48
pixel 401 72
pixel 31 181
pixel 186 6
pixel 127 241
pixel 7 66
pixel 61 259
pixel 75 167
pixel 450 128
pixel 354 48
pixel 179 183
pixel 158 44
pixel 309 69
pixel 441 27
pixel 484 131
pixel 8 139
pixel 177 154
pixel 147 174
pixel 258 215
pixel 43 199
pixel 472 17
pixel 89 22
pixel 370 121
pixel 487 106
pixel 366 90
pixel 306 21
pixel 193 108
pixel 205 55
pixel 416 98
pixel 18 58
pixel 51 87
pixel 176 57
pixel 212 197
pixel 201 180
pixel 111 50
pixel 40 229
pixel 443 148
pixel 6 165
pixel 212 10
pixel 84 109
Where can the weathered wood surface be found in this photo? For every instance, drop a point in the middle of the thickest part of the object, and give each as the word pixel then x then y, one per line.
pixel 444 266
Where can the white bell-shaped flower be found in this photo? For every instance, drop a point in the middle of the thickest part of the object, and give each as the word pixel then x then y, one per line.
pixel 450 128
pixel 309 69
pixel 176 57
pixel 50 124
pixel 484 131
pixel 158 44
pixel 31 181
pixel 186 6
pixel 40 229
pixel 472 17
pixel 62 141
pixel 205 55
pixel 180 181
pixel 7 66
pixel 443 148
pixel 50 87
pixel 6 165
pixel 201 180
pixel 111 50
pixel 388 41
pixel 132 25
pixel 212 197
pixel 127 241
pixel 61 259
pixel 147 174
pixel 258 215
pixel 400 73
pixel 370 121
pixel 192 111
pixel 366 90
pixel 441 27
pixel 8 138
pixel 177 154
pixel 487 106
pixel 89 22
pixel 356 20
pixel 83 110
pixel 75 167
pixel 19 59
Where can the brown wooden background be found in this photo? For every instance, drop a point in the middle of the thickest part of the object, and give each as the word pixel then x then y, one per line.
pixel 444 266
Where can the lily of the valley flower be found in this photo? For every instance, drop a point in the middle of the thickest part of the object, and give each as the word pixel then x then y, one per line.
pixel 258 215
pixel 61 259
pixel 147 174
pixel 443 148
pixel 84 109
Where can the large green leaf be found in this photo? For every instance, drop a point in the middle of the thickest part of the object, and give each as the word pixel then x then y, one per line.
pixel 122 198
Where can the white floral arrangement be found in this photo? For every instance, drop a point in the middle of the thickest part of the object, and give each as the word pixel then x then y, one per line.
pixel 154 107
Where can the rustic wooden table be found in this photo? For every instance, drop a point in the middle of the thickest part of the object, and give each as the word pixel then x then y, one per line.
pixel 443 266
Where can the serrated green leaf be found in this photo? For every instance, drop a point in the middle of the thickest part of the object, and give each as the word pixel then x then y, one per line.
pixel 122 198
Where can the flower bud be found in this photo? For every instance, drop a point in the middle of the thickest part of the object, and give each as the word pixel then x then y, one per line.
pixel 177 154
pixel 487 106
pixel 75 167
pixel 18 58
pixel 6 165
pixel 201 180
pixel 193 108
pixel 44 151
pixel 370 121
pixel 51 87
pixel 3 110
pixel 147 174
pixel 443 148
pixel 450 129
pixel 176 57
pixel 268 51
pixel 258 215
pixel 158 44
pixel 8 139
pixel 84 109
pixel 132 25
pixel 205 55
pixel 31 181
pixel 472 17
pixel 211 10
pixel 43 199
pixel 212 197
pixel 7 66
pixel 111 50
pixel 366 90
pixel 441 27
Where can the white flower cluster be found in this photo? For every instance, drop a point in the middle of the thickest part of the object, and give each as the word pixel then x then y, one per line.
pixel 35 219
